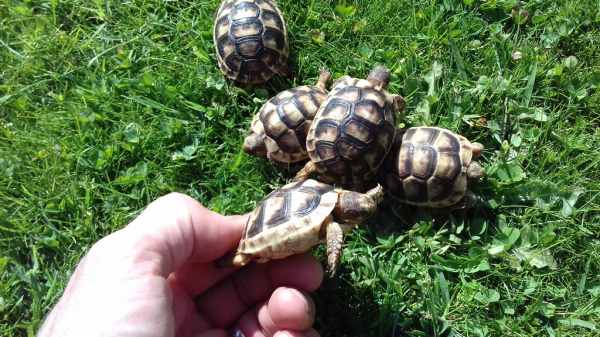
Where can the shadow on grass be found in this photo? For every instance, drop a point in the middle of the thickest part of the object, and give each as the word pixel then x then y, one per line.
pixel 377 302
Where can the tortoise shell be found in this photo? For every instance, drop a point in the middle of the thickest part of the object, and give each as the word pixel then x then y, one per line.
pixel 289 217
pixel 251 40
pixel 286 119
pixel 352 132
pixel 428 167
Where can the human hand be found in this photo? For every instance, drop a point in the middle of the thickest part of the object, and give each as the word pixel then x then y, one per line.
pixel 157 278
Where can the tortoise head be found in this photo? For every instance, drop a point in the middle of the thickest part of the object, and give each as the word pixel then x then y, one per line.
pixel 475 171
pixel 254 144
pixel 379 77
pixel 354 208
pixel 477 148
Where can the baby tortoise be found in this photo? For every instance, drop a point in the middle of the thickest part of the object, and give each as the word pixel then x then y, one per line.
pixel 299 216
pixel 430 167
pixel 251 40
pixel 278 131
pixel 353 131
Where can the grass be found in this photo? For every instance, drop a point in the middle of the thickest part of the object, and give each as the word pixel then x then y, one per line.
pixel 106 106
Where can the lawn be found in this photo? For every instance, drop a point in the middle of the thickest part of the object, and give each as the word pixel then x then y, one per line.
pixel 105 106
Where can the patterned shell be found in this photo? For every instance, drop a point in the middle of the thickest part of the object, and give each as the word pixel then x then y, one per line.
pixel 251 40
pixel 428 167
pixel 293 208
pixel 286 119
pixel 352 132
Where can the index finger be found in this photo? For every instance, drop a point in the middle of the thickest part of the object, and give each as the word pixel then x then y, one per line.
pixel 179 230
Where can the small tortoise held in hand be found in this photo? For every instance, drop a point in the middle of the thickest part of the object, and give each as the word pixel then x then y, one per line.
pixel 300 215
pixel 278 131
pixel 353 131
pixel 251 40
pixel 430 167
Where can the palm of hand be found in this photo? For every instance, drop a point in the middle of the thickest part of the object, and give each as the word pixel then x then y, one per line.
pixel 157 278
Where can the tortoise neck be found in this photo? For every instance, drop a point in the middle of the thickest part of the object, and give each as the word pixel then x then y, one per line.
pixel 324 77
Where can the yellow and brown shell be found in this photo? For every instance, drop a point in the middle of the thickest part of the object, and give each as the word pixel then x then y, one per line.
pixel 288 220
pixel 428 167
pixel 251 40
pixel 352 132
pixel 286 119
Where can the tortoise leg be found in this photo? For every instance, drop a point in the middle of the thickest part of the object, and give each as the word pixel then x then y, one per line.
pixel 305 172
pixel 469 201
pixel 234 260
pixel 335 239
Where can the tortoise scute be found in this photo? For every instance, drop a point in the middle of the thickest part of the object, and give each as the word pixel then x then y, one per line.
pixel 244 10
pixel 274 39
pixel 327 132
pixel 448 166
pixel 439 188
pixel 447 143
pixel 368 111
pixel 327 151
pixel 424 162
pixel 272 20
pixel 415 189
pixel 347 149
pixel 359 131
pixel 249 48
pixel 290 114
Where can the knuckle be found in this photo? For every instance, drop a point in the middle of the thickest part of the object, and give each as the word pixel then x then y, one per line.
pixel 174 199
pixel 105 247
pixel 174 203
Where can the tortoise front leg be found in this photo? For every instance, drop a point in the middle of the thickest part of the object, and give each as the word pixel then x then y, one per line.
pixel 305 172
pixel 335 239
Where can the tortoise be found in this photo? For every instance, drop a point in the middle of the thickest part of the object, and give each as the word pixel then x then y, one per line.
pixel 430 167
pixel 300 215
pixel 353 131
pixel 251 40
pixel 278 131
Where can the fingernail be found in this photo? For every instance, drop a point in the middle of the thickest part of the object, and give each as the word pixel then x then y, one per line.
pixel 308 304
pixel 282 334
pixel 237 333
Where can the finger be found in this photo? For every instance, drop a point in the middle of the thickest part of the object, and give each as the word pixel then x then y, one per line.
pixel 211 333
pixel 307 333
pixel 248 326
pixel 178 229
pixel 287 309
pixel 193 325
pixel 224 303
pixel 195 278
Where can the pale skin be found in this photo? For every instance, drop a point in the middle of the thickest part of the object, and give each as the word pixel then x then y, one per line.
pixel 157 278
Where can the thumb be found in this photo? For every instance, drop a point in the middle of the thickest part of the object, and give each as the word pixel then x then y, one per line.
pixel 178 229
